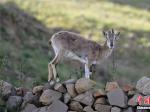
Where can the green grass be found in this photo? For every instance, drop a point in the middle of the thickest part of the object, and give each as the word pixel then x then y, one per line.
pixel 97 13
pixel 86 16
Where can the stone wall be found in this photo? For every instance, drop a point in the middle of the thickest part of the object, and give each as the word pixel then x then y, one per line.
pixel 75 96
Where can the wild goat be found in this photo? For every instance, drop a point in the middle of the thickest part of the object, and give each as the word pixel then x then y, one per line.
pixel 75 47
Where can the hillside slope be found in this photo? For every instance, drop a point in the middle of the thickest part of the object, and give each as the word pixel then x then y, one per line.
pixel 23 46
pixel 27 25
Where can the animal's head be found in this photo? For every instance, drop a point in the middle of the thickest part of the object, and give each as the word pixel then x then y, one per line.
pixel 111 37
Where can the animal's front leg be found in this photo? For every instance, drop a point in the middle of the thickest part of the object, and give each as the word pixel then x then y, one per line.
pixel 50 72
pixel 87 71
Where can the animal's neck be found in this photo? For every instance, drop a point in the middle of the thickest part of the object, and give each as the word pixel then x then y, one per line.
pixel 106 51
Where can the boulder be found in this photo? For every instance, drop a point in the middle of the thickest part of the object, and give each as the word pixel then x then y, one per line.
pixel 88 109
pixel 29 98
pixel 6 89
pixel 48 96
pixel 128 87
pixel 41 109
pixel 38 89
pixel 85 98
pixel 99 93
pixel 117 97
pixel 71 111
pixel 47 86
pixel 29 108
pixel 146 89
pixel 111 86
pixel 57 106
pixel 2 102
pixel 71 90
pixel 70 81
pixel 83 85
pixel 76 106
pixel 102 108
pixel 101 100
pixel 67 98
pixel 14 103
pixel 128 110
pixel 59 87
pixel 131 93
pixel 21 91
pixel 141 83
pixel 115 109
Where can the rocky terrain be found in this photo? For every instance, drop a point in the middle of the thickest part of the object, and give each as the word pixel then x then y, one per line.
pixel 75 96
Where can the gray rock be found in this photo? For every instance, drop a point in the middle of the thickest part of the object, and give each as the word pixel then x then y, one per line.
pixel 14 103
pixel 57 106
pixel 85 98
pixel 7 89
pixel 29 98
pixel 76 106
pixel 47 86
pixel 48 96
pixel 128 110
pixel 88 109
pixel 70 81
pixel 2 102
pixel 128 87
pixel 131 93
pixel 99 93
pixel 38 89
pixel 117 97
pixel 72 111
pixel 42 109
pixel 102 108
pixel 115 109
pixel 84 84
pixel 111 85
pixel 101 100
pixel 29 108
pixel 146 89
pixel 71 90
pixel 59 87
pixel 141 83
pixel 67 98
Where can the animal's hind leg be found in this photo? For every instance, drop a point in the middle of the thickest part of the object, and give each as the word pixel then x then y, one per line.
pixel 51 69
pixel 53 65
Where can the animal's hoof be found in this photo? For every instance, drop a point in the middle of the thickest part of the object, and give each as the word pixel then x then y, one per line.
pixel 49 80
pixel 52 83
pixel 57 79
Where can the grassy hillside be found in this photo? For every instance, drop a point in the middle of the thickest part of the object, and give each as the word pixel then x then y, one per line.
pixel 29 46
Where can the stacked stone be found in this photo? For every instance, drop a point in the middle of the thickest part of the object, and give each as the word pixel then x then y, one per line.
pixel 74 96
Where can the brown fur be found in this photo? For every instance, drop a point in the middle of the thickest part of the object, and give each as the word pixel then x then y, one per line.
pixel 74 46
pixel 80 46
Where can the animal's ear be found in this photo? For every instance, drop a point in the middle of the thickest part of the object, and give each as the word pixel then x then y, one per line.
pixel 104 33
pixel 112 30
pixel 117 35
